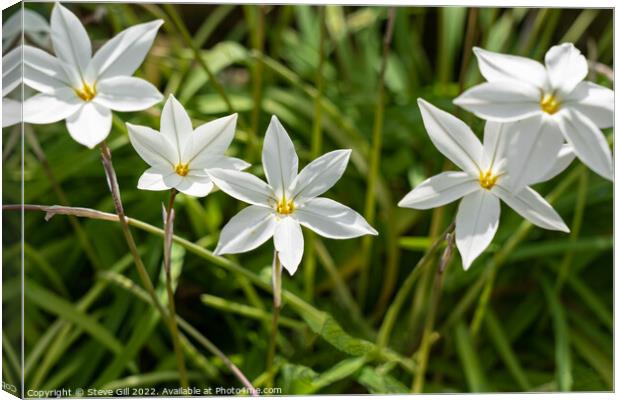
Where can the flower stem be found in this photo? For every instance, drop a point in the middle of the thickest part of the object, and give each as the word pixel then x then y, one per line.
pixel 277 302
pixel 106 159
pixel 317 144
pixel 255 15
pixel 375 158
pixel 174 329
pixel 392 313
pixel 427 337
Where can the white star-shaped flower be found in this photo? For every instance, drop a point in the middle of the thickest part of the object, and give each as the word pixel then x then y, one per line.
pixel 180 156
pixel 288 200
pixel 83 88
pixel 483 181
pixel 554 103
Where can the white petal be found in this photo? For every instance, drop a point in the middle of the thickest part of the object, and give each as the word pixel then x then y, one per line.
pixel 500 67
pixel 152 147
pixel 494 146
pixel 243 186
pixel 564 158
pixel 176 125
pixel 452 137
pixel 533 143
pixel 588 142
pixel 280 161
pixel 153 179
pixel 125 93
pixel 11 70
pixel 594 101
pixel 213 161
pixel 48 108
pixel 320 175
pixel 11 112
pixel 124 53
pixel 42 71
pixel 195 185
pixel 70 40
pixel 247 230
pixel 566 67
pixel 440 189
pixel 333 220
pixel 477 220
pixel 502 101
pixel 90 125
pixel 208 139
pixel 533 207
pixel 289 243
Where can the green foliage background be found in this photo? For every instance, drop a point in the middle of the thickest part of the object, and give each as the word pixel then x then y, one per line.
pixel 533 313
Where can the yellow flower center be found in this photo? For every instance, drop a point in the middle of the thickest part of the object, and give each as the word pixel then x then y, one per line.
pixel 182 169
pixel 487 179
pixel 285 207
pixel 87 92
pixel 549 104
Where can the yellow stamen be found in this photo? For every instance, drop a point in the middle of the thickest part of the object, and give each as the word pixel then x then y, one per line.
pixel 549 104
pixel 87 92
pixel 182 169
pixel 487 179
pixel 285 207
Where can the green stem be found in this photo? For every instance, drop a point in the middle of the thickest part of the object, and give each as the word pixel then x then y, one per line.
pixel 317 144
pixel 375 158
pixel 580 205
pixel 106 159
pixel 426 343
pixel 258 44
pixel 277 303
pixel 174 329
pixel 385 331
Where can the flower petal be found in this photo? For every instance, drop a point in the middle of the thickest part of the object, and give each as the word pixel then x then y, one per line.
pixel 588 142
pixel 333 220
pixel 176 125
pixel 42 71
pixel 533 142
pixel 11 70
pixel 152 146
pixel 452 137
pixel 500 67
pixel 123 54
pixel 220 161
pixel 195 185
pixel 594 101
pixel 566 67
pixel 154 179
pixel 11 112
pixel 502 101
pixel 90 125
pixel 280 161
pixel 243 186
pixel 440 189
pixel 532 206
pixel 69 38
pixel 247 230
pixel 47 108
pixel 477 220
pixel 564 158
pixel 126 93
pixel 320 175
pixel 209 139
pixel 289 243
pixel 494 146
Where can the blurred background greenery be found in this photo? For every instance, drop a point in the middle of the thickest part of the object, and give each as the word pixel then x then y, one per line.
pixel 534 313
